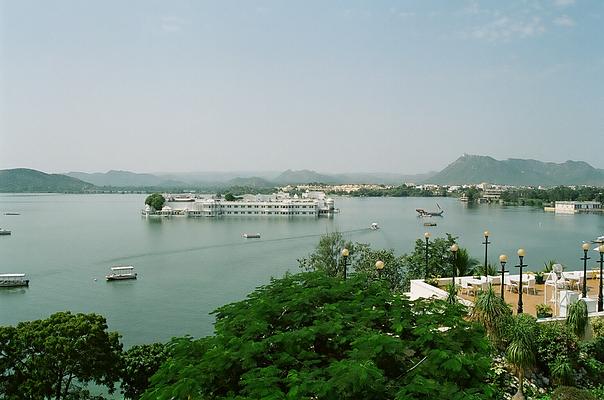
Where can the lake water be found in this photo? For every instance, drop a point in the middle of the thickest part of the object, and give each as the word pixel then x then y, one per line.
pixel 188 267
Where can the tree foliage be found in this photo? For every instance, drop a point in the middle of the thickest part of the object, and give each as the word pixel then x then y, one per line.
pixel 310 336
pixel 494 313
pixel 577 318
pixel 47 359
pixel 155 200
pixel 139 363
pixel 327 255
pixel 393 272
pixel 521 348
pixel 440 260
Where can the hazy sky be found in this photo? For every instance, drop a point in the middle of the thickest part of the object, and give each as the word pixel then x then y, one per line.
pixel 334 86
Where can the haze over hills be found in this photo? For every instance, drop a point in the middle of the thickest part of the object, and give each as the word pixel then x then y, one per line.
pixel 124 179
pixel 469 169
pixel 253 179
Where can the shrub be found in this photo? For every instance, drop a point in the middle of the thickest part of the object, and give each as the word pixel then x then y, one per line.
pixel 571 393
pixel 553 339
pixel 591 359
pixel 594 348
pixel 544 310
pixel 562 371
pixel 577 318
pixel 597 324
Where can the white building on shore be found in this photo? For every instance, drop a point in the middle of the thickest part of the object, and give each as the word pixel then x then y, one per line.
pixel 312 204
pixel 573 207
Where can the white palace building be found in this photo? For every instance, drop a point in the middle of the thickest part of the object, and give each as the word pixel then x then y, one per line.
pixel 311 204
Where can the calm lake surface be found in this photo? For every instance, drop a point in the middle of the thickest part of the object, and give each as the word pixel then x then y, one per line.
pixel 188 267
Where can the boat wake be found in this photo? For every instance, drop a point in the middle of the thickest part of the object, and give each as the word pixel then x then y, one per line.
pixel 217 246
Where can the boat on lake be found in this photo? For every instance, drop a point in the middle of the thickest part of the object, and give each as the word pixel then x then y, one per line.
pixel 429 223
pixel 374 226
pixel 11 213
pixel 4 232
pixel 121 272
pixel 425 213
pixel 13 280
pixel 599 239
pixel 251 235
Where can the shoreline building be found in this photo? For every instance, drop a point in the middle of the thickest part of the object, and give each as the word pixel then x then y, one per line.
pixel 311 204
pixel 574 207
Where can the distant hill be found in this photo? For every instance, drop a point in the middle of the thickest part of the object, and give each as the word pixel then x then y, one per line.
pixel 21 180
pixel 303 176
pixel 125 179
pixel 477 169
pixel 253 181
pixel 381 177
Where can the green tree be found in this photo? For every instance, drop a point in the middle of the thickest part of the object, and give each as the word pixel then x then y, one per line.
pixel 521 349
pixel 466 265
pixel 312 336
pixel 327 255
pixel 440 260
pixel 139 363
pixel 394 266
pixel 577 318
pixel 494 313
pixel 49 358
pixel 472 194
pixel 155 200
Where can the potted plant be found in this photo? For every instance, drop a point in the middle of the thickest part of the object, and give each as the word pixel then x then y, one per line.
pixel 539 278
pixel 544 311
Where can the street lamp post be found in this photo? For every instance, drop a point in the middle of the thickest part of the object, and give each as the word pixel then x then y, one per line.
pixel 454 249
pixel 379 266
pixel 502 260
pixel 521 254
pixel 601 262
pixel 427 236
pixel 585 248
pixel 345 254
pixel 486 252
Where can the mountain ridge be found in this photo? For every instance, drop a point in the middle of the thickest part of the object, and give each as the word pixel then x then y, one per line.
pixel 25 180
pixel 473 169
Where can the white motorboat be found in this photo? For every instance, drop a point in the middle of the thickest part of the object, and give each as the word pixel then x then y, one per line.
pixel 121 272
pixel 4 232
pixel 374 226
pixel 251 235
pixel 13 280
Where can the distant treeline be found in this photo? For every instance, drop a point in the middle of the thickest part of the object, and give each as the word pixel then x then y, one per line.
pixel 398 191
pixel 559 193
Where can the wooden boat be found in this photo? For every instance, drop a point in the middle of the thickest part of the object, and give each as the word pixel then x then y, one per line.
pixel 251 235
pixel 425 213
pixel 121 272
pixel 429 223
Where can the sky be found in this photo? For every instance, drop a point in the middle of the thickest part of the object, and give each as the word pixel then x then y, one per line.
pixel 332 86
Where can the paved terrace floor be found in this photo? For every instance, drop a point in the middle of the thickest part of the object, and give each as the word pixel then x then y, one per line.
pixel 529 301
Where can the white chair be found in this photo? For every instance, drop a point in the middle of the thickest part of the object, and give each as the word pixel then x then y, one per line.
pixel 530 285
pixel 512 286
pixel 495 280
pixel 464 286
pixel 562 283
pixel 550 281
